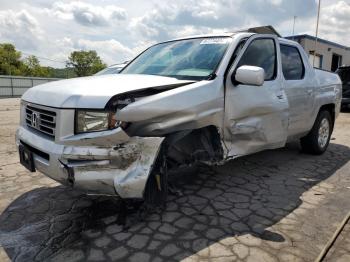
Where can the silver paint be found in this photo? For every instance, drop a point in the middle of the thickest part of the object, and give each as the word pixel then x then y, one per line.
pixel 249 119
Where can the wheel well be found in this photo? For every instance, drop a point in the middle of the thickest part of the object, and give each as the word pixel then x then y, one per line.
pixel 197 145
pixel 331 109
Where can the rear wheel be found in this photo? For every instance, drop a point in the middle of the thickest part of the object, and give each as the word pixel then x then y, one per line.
pixel 316 142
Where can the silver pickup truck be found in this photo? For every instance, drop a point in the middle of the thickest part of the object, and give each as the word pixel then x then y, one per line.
pixel 205 99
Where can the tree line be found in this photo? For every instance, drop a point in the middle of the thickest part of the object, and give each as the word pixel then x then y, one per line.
pixel 79 63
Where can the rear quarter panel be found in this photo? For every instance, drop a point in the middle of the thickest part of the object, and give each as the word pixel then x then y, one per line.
pixel 328 90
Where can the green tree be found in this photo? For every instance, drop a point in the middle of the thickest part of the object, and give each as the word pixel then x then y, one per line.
pixel 10 60
pixel 33 67
pixel 85 63
pixel 67 72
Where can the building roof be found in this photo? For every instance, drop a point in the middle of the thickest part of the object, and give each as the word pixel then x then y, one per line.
pixel 320 40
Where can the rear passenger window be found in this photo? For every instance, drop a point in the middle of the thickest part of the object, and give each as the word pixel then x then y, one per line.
pixel 292 64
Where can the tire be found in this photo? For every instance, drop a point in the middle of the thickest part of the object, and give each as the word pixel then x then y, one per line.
pixel 317 141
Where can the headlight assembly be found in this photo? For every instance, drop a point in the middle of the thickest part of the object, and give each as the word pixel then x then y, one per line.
pixel 92 121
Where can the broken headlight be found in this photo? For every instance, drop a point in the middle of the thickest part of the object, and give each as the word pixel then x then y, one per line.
pixel 92 121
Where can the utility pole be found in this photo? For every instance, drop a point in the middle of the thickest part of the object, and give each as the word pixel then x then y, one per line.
pixel 295 17
pixel 318 19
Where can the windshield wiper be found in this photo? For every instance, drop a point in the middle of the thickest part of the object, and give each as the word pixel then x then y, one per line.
pixel 212 76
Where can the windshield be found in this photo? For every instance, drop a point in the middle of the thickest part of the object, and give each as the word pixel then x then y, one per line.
pixel 193 59
pixel 109 71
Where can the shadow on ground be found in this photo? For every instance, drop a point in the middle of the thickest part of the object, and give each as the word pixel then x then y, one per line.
pixel 246 195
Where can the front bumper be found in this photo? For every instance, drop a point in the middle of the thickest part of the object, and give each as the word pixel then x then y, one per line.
pixel 120 170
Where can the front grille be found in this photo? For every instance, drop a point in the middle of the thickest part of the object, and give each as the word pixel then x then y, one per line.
pixel 41 120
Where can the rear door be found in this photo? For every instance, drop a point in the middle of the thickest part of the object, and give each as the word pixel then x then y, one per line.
pixel 299 88
pixel 256 117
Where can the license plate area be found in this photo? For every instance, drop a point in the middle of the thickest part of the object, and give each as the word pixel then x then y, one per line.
pixel 26 158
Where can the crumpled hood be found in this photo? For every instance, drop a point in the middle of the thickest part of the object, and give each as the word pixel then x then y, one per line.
pixel 94 91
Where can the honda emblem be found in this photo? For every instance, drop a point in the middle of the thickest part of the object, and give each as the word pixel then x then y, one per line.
pixel 35 120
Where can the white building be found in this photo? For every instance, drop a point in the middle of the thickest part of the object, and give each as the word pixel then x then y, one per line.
pixel 329 55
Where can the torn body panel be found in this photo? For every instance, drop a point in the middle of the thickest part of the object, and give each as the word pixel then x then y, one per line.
pixel 124 172
pixel 103 138
pixel 185 108
pixel 119 170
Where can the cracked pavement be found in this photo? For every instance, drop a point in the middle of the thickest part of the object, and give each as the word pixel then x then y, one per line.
pixel 277 205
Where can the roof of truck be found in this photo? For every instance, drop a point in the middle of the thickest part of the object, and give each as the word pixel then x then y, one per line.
pixel 248 31
pixel 286 41
pixel 203 36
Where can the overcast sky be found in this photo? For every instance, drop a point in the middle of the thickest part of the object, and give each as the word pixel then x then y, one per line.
pixel 119 29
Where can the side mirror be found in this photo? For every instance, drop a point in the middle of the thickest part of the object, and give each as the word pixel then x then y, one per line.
pixel 250 75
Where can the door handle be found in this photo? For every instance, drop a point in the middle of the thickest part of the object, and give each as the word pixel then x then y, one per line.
pixel 309 92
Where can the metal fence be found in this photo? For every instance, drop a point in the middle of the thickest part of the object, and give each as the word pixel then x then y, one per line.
pixel 15 86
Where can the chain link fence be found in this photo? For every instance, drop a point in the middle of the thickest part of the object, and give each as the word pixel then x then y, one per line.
pixel 15 86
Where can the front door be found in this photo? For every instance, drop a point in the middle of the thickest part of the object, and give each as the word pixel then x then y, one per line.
pixel 256 117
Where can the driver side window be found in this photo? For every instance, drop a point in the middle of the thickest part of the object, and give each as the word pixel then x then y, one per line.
pixel 261 53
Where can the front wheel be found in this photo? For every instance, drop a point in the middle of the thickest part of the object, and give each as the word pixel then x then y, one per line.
pixel 316 142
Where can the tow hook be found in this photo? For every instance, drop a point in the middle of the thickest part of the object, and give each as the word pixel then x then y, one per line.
pixel 70 172
pixel 158 182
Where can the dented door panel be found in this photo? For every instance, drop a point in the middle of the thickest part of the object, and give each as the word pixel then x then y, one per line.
pixel 256 119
